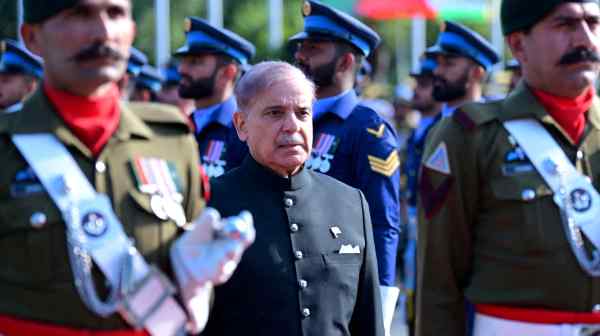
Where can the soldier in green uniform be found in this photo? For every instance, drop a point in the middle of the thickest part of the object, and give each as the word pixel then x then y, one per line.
pixel 92 193
pixel 508 193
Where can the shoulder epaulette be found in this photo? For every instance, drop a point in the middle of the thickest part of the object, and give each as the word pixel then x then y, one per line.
pixel 154 113
pixel 471 115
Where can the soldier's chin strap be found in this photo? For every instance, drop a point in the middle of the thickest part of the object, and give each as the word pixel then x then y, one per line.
pixel 574 194
pixel 140 293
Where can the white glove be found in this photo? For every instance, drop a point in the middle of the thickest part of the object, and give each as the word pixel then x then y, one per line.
pixel 207 255
pixel 389 297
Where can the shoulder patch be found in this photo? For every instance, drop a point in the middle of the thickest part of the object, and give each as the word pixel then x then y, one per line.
pixel 378 133
pixel 159 114
pixel 385 166
pixel 438 161
pixel 472 115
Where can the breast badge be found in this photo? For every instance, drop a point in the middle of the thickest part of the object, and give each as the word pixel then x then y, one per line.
pixel 212 160
pixel 159 179
pixel 323 153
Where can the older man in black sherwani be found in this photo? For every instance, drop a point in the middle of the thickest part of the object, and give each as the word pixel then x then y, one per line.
pixel 312 270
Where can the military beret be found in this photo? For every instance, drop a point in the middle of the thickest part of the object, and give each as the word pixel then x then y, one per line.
pixel 522 14
pixel 16 59
pixel 37 11
pixel 456 39
pixel 202 37
pixel 324 22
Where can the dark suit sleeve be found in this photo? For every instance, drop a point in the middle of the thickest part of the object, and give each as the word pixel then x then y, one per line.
pixel 367 318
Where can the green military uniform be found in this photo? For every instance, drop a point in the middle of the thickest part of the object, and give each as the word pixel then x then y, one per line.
pixel 490 232
pixel 36 281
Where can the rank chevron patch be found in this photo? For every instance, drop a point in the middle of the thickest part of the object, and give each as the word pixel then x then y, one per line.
pixel 378 133
pixel 385 167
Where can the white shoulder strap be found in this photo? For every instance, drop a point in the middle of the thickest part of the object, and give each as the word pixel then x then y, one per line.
pixel 574 194
pixel 142 296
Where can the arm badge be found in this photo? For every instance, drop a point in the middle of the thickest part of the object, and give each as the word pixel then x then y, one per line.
pixel 385 167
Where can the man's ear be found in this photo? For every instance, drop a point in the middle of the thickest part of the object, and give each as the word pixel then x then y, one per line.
pixel 31 86
pixel 516 45
pixel 477 73
pixel 239 121
pixel 30 35
pixel 347 61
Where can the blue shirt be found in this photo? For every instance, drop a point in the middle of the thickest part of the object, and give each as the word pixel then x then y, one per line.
pixel 414 154
pixel 218 143
pixel 356 146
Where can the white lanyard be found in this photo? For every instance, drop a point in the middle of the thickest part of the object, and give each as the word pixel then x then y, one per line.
pixel 138 291
pixel 574 194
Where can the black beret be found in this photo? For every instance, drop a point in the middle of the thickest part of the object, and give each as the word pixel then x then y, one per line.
pixel 37 11
pixel 523 14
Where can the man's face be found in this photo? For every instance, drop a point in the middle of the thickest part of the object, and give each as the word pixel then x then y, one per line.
pixel 85 46
pixel 318 60
pixel 13 89
pixel 423 93
pixel 198 75
pixel 560 53
pixel 451 77
pixel 278 127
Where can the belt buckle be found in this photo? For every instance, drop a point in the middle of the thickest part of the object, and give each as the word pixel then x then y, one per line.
pixel 145 297
pixel 589 330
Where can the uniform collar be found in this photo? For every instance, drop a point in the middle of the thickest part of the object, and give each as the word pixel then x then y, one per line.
pixel 39 116
pixel 14 108
pixel 267 178
pixel 521 103
pixel 340 105
pixel 221 113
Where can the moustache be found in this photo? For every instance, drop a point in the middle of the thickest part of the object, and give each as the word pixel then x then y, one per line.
pixel 290 140
pixel 97 51
pixel 579 55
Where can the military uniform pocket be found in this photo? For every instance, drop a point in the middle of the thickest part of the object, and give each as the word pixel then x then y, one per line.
pixel 32 239
pixel 519 213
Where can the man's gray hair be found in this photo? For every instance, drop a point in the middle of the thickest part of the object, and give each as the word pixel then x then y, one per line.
pixel 264 76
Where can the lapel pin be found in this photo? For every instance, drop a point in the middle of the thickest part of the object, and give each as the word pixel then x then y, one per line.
pixel 335 231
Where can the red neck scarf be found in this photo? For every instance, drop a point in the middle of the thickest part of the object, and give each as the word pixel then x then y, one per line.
pixel 92 119
pixel 569 113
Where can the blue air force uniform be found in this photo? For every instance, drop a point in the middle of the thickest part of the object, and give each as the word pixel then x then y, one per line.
pixel 416 141
pixel 351 142
pixel 220 148
pixel 218 142
pixel 16 60
pixel 458 40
